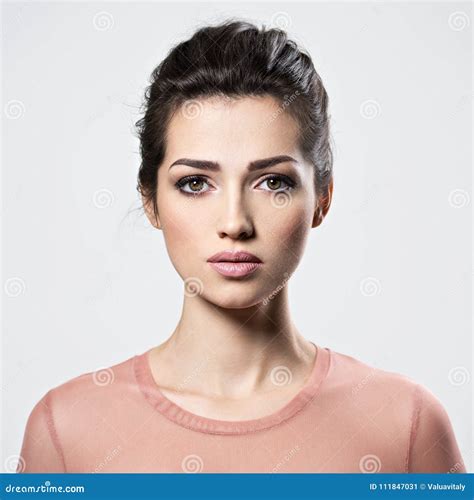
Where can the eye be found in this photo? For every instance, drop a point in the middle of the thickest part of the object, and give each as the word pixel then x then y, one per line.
pixel 275 182
pixel 194 182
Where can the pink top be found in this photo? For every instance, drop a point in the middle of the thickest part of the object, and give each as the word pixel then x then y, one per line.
pixel 348 417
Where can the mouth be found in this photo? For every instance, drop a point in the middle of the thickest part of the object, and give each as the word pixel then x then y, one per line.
pixel 235 264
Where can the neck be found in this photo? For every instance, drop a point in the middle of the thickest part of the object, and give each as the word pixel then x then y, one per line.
pixel 231 353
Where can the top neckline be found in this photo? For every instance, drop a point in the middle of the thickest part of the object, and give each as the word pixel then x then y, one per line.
pixel 185 418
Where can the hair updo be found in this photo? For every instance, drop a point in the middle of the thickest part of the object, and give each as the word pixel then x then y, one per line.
pixel 231 60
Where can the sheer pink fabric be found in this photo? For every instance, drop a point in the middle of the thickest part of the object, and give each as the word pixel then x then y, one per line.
pixel 349 417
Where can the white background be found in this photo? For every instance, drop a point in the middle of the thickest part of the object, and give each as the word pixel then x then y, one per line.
pixel 87 281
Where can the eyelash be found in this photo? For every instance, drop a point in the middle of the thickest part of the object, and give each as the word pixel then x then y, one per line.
pixel 190 178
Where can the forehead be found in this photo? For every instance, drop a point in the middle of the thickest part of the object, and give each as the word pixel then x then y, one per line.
pixel 239 129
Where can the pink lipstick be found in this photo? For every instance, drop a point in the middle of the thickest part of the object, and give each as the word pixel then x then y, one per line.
pixel 235 263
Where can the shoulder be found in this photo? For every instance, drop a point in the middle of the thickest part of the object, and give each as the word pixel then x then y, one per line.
pixel 96 383
pixel 406 410
pixel 351 374
pixel 355 376
pixel 433 444
pixel 79 398
pixel 388 398
pixel 63 416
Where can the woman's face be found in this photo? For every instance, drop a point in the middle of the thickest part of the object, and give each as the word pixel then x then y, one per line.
pixel 265 211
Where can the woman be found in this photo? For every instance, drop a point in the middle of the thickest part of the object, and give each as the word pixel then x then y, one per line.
pixel 236 169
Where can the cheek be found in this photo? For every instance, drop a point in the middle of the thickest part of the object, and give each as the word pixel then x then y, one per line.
pixel 180 231
pixel 286 230
pixel 176 227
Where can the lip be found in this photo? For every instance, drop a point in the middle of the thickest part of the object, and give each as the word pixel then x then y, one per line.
pixel 235 269
pixel 234 256
pixel 235 263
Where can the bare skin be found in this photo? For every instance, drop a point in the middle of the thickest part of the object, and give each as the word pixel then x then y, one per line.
pixel 235 353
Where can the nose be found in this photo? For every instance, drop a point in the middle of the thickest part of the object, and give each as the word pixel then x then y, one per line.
pixel 234 220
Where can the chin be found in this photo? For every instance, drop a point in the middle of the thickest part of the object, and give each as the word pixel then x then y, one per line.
pixel 232 299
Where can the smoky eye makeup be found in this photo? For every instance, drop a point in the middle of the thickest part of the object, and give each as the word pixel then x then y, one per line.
pixel 285 179
pixel 191 184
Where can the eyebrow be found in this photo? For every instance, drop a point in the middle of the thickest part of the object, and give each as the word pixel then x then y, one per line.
pixel 253 165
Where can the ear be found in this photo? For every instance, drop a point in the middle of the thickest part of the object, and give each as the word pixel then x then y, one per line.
pixel 150 213
pixel 322 207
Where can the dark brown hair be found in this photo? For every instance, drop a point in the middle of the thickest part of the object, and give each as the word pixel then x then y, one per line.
pixel 236 59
